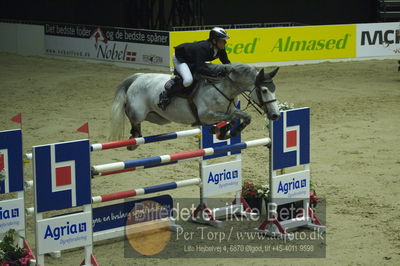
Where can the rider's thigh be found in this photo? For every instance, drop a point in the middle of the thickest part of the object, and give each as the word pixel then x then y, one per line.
pixel 184 71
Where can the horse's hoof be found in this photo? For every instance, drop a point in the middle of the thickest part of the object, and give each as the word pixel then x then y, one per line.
pixel 213 130
pixel 131 147
pixel 223 137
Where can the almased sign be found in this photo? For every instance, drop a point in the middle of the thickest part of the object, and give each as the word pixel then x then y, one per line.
pixel 281 44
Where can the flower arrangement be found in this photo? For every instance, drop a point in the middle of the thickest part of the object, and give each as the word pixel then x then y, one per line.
pixel 285 106
pixel 250 190
pixel 10 253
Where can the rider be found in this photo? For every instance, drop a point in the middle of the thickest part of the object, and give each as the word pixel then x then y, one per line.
pixel 192 57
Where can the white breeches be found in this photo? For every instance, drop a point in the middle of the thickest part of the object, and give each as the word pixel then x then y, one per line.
pixel 184 71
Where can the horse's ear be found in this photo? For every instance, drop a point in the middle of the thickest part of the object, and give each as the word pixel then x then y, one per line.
pixel 273 73
pixel 260 76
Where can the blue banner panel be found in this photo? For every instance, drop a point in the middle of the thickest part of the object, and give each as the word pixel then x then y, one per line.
pixel 62 175
pixel 11 161
pixel 291 139
pixel 114 216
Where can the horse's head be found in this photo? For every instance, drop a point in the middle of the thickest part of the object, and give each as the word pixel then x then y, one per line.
pixel 264 93
pixel 259 84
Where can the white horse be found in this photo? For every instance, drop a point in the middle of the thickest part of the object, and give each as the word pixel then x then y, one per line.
pixel 138 96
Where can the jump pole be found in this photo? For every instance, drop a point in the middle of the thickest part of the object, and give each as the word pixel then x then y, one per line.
pixel 178 156
pixel 145 190
pixel 138 141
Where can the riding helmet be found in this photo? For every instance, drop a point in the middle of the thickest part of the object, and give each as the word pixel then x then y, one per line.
pixel 218 33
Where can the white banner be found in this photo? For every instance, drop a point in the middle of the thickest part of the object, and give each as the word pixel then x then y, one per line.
pixel 379 39
pixel 64 232
pixel 218 179
pixel 291 186
pixel 110 44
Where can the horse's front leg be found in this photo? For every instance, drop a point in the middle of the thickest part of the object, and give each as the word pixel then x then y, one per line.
pixel 245 120
pixel 232 119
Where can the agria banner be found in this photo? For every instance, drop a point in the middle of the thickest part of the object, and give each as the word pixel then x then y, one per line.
pixel 281 44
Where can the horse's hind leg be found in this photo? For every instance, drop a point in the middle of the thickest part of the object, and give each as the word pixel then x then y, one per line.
pixel 136 131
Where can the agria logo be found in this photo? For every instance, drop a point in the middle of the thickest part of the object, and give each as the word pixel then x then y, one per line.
pixel 57 232
pixel 286 187
pixel 224 175
pixel 9 213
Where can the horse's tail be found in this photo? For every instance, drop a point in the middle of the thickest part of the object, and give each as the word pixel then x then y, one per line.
pixel 118 108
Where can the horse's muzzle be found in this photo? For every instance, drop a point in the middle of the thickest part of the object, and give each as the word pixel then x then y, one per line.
pixel 274 116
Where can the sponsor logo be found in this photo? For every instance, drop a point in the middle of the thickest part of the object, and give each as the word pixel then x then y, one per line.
pixel 242 48
pixel 285 187
pixel 152 59
pixel 289 44
pixel 99 37
pixel 222 176
pixel 8 213
pixel 380 37
pixel 62 173
pixel 68 229
pixel 115 52
pixel 291 139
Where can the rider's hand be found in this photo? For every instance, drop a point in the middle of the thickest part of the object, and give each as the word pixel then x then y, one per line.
pixel 222 73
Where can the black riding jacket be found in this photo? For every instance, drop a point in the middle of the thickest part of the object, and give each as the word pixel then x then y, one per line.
pixel 195 54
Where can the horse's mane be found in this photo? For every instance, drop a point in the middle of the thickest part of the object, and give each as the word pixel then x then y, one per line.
pixel 244 69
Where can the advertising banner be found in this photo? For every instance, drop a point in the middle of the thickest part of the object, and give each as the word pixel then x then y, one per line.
pixel 281 44
pixel 12 215
pixel 107 43
pixel 287 187
pixel 291 139
pixel 117 215
pixel 11 163
pixel 379 39
pixel 64 232
pixel 222 178
pixel 61 173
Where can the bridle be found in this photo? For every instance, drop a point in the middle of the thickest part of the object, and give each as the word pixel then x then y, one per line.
pixel 251 102
pixel 247 97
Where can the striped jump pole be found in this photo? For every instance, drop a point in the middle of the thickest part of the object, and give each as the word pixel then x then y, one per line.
pixel 139 191
pixel 142 167
pixel 144 140
pixel 145 190
pixel 96 169
pixel 138 141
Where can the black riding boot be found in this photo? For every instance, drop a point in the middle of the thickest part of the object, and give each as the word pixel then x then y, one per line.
pixel 168 93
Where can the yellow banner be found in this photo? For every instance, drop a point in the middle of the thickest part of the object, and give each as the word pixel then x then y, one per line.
pixel 281 44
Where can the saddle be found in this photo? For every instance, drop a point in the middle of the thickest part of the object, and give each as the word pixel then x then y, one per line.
pixel 187 93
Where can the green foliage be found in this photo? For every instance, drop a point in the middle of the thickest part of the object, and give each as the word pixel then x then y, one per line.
pixel 9 250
